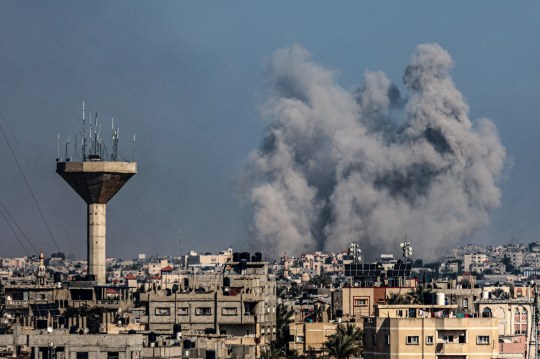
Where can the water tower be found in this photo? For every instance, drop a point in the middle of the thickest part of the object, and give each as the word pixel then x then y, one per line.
pixel 96 177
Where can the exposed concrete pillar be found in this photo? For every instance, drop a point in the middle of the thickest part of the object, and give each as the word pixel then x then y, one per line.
pixel 97 228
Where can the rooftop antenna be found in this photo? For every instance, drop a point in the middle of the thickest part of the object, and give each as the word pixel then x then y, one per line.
pixel 133 147
pixel 58 147
pixel 114 154
pixel 83 134
pixel 67 144
pixel 75 150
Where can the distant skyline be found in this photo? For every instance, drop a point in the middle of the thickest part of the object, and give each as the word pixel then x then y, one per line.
pixel 190 80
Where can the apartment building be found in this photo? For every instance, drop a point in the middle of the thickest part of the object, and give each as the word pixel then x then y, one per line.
pixel 428 331
pixel 239 301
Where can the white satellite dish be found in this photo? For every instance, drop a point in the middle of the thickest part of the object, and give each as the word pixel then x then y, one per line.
pixel 49 329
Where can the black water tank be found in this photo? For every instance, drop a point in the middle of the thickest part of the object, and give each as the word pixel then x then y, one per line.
pixel 339 313
pixel 236 257
pixel 152 337
pixel 243 264
pixel 226 282
pixel 187 344
pixel 430 298
pixel 186 283
pixel 257 257
pixel 177 328
pixel 244 255
pixel 57 277
pixel 210 354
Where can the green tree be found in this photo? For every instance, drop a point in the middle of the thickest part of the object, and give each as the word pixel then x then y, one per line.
pixel 345 343
pixel 94 316
pixel 499 293
pixel 284 316
pixel 397 298
pixel 321 281
pixel 273 352
pixel 417 295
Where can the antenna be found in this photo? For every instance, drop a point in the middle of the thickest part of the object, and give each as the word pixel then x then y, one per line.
pixel 67 144
pixel 83 144
pixel 114 153
pixel 58 147
pixel 75 151
pixel 133 147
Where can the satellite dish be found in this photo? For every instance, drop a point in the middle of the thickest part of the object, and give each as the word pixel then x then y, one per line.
pixel 49 329
pixel 402 244
pixel 86 330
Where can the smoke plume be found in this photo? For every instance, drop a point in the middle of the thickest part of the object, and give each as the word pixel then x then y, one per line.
pixel 337 166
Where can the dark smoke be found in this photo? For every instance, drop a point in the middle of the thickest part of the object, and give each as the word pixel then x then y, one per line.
pixel 370 165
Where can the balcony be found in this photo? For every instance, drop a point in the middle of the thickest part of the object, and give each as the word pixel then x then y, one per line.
pixel 452 348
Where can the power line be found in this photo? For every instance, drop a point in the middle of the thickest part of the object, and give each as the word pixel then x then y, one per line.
pixel 6 211
pixel 27 183
pixel 14 233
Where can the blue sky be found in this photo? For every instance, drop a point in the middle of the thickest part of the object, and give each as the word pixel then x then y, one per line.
pixel 188 77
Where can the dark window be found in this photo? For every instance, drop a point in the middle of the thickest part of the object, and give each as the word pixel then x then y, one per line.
pixel 82 355
pixel 203 311
pixel 112 355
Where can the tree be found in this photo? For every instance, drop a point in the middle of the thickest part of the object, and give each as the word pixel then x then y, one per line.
pixel 499 293
pixel 273 352
pixel 417 295
pixel 346 342
pixel 60 255
pixel 283 318
pixel 94 316
pixel 397 298
pixel 321 281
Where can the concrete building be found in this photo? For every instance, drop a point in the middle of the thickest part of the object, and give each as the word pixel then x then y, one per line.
pixel 423 331
pixel 309 338
pixel 240 301
pixel 456 338
pixel 359 302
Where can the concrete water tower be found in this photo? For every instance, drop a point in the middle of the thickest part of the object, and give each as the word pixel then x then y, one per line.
pixel 96 177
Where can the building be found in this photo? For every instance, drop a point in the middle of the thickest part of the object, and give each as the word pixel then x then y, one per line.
pixel 239 303
pixel 309 338
pixel 428 331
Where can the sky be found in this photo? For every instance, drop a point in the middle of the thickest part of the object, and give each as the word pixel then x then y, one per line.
pixel 191 78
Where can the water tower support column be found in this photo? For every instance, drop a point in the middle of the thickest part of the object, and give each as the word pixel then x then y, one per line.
pixel 97 230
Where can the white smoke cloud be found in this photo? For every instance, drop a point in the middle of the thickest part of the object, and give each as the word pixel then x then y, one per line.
pixel 337 166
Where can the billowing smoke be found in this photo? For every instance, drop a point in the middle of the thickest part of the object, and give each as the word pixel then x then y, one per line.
pixel 337 166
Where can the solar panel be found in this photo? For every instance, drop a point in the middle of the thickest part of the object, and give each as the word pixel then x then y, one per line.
pixel 43 310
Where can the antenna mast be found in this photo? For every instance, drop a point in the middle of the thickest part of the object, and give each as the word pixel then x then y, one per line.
pixel 58 147
pixel 84 134
pixel 114 154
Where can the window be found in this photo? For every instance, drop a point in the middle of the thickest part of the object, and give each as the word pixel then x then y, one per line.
pixel 465 302
pixel 374 338
pixel 360 302
pixel 203 311
pixel 82 355
pixel 429 340
pixel 229 311
pixel 412 340
pixel 183 311
pixel 163 311
pixel 482 340
pixel 299 338
pixel 112 355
